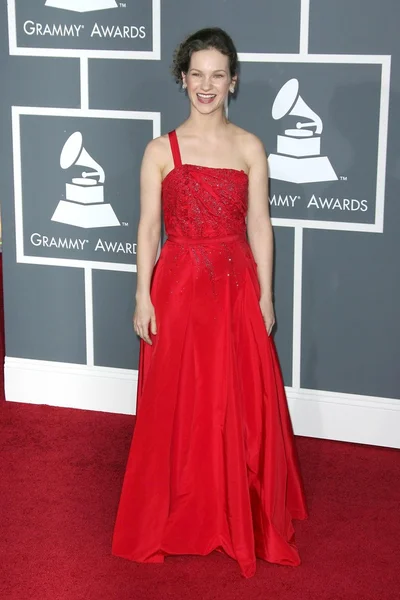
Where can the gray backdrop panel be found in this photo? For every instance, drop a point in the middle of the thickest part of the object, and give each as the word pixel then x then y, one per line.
pixel 89 30
pixel 283 288
pixel 45 318
pixel 346 97
pixel 349 345
pixel 351 285
pixel 43 178
pixel 115 342
pixel 354 27
pixel 255 25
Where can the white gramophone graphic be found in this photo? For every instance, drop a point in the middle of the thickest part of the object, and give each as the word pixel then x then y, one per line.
pixel 84 205
pixel 298 158
pixel 82 5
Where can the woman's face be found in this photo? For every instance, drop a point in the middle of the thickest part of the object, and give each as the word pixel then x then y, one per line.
pixel 208 80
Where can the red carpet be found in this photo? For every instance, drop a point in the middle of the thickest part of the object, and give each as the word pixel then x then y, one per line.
pixel 61 474
pixel 2 347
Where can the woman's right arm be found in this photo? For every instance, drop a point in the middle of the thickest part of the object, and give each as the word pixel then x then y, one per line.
pixel 149 231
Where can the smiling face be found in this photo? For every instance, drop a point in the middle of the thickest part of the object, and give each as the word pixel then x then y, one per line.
pixel 208 80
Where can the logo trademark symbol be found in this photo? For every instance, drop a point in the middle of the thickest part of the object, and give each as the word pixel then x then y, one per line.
pixel 122 4
pixel 125 224
pixel 343 178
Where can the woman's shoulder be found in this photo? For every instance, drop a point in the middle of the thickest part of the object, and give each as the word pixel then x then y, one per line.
pixel 246 138
pixel 157 150
pixel 157 145
pixel 251 147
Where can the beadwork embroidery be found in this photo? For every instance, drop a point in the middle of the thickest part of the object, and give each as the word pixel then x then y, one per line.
pixel 204 203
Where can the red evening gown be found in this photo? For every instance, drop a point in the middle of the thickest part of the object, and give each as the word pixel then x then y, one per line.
pixel 212 463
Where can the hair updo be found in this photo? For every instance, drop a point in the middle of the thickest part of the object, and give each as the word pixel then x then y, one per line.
pixel 204 39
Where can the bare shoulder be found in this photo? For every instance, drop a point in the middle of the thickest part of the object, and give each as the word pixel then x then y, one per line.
pixel 250 145
pixel 157 151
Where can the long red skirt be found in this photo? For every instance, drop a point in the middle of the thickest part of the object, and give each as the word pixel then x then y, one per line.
pixel 212 464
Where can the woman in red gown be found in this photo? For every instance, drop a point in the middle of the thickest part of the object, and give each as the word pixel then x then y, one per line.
pixel 212 464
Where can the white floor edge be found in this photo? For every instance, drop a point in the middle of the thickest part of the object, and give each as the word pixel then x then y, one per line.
pixel 314 413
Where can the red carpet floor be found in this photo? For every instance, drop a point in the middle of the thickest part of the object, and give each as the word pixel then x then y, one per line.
pixel 61 474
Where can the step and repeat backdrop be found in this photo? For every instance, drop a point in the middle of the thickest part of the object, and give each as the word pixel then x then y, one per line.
pixel 86 85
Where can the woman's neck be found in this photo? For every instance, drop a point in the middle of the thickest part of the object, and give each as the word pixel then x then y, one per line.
pixel 206 125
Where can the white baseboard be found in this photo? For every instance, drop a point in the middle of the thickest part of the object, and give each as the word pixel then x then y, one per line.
pixel 70 385
pixel 345 417
pixel 314 413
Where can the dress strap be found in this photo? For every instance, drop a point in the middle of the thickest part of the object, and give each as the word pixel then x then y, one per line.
pixel 173 140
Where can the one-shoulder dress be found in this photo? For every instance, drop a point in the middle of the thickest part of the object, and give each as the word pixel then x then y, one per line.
pixel 212 463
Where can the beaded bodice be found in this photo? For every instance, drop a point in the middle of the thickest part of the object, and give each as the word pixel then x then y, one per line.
pixel 203 202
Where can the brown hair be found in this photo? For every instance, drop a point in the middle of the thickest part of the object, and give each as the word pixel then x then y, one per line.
pixel 204 39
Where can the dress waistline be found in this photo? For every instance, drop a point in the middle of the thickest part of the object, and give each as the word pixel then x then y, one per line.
pixel 219 240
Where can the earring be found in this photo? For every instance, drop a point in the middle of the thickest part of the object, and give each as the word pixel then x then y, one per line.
pixel 232 89
pixel 184 85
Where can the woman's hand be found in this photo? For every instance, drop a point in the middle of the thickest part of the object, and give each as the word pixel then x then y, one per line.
pixel 144 316
pixel 267 310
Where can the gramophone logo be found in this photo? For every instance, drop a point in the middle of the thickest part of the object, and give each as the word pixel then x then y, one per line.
pixel 298 158
pixel 82 5
pixel 84 205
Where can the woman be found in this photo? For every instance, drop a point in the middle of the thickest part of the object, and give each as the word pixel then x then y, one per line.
pixel 212 464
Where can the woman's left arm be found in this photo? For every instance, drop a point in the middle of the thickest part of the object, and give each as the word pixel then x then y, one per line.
pixel 259 227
